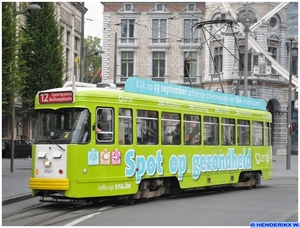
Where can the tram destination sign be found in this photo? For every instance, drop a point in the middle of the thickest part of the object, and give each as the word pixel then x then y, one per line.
pixel 56 97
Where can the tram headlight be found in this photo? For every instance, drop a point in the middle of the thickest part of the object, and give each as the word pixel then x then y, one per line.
pixel 47 162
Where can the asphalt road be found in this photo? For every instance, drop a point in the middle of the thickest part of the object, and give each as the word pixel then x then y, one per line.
pixel 275 200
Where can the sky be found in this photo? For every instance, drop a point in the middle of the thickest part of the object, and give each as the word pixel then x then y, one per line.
pixel 93 25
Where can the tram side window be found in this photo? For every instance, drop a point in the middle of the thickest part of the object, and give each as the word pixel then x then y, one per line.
pixel 104 125
pixel 228 132
pixel 146 127
pixel 211 130
pixel 171 128
pixel 192 130
pixel 125 126
pixel 267 134
pixel 243 132
pixel 257 133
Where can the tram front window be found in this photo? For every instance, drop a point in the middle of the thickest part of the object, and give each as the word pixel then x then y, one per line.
pixel 67 126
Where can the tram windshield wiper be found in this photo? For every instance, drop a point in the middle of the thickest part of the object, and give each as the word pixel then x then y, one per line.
pixel 56 144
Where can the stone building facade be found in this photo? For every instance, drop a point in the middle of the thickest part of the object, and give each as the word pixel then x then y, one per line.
pixel 263 81
pixel 69 15
pixel 160 41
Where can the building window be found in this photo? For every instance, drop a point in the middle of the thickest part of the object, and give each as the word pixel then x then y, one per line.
pixel 127 30
pixel 295 62
pixel 159 29
pixel 190 36
pixel 62 34
pixel 191 7
pixel 68 38
pixel 255 59
pixel 75 65
pixel 273 22
pixel 218 59
pixel 218 25
pixel 127 64
pixel 76 43
pixel 159 7
pixel 242 59
pixel 67 58
pixel 158 64
pixel 128 7
pixel 190 64
pixel 273 53
pixel 292 19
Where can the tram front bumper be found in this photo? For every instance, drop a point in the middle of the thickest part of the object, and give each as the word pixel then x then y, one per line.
pixel 49 184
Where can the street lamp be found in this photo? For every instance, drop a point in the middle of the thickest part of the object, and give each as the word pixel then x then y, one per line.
pixel 30 8
pixel 246 20
pixel 289 119
pixel 247 25
pixel 96 52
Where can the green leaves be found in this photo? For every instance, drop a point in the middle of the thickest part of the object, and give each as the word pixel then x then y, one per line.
pixel 41 53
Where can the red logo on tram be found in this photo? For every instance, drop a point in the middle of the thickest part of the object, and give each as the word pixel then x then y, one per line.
pixel 56 97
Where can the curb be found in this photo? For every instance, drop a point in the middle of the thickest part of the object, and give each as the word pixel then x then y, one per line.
pixel 16 199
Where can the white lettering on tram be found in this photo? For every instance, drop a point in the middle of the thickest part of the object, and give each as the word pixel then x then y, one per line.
pixel 210 163
pixel 125 99
pixel 262 158
pixel 140 165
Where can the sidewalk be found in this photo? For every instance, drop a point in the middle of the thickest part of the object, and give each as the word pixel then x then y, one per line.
pixel 15 185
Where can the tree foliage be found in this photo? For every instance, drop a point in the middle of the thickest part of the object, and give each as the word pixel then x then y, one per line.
pixel 92 44
pixel 42 52
pixel 9 47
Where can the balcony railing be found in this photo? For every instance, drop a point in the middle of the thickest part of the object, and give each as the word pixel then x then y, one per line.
pixel 187 80
pixel 159 79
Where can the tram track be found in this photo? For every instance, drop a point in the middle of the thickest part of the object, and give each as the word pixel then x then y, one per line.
pixel 52 214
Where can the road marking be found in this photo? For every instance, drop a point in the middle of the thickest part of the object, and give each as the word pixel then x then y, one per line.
pixel 82 219
pixel 106 207
pixel 88 216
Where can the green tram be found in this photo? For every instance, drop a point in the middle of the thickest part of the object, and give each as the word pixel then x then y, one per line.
pixel 93 142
